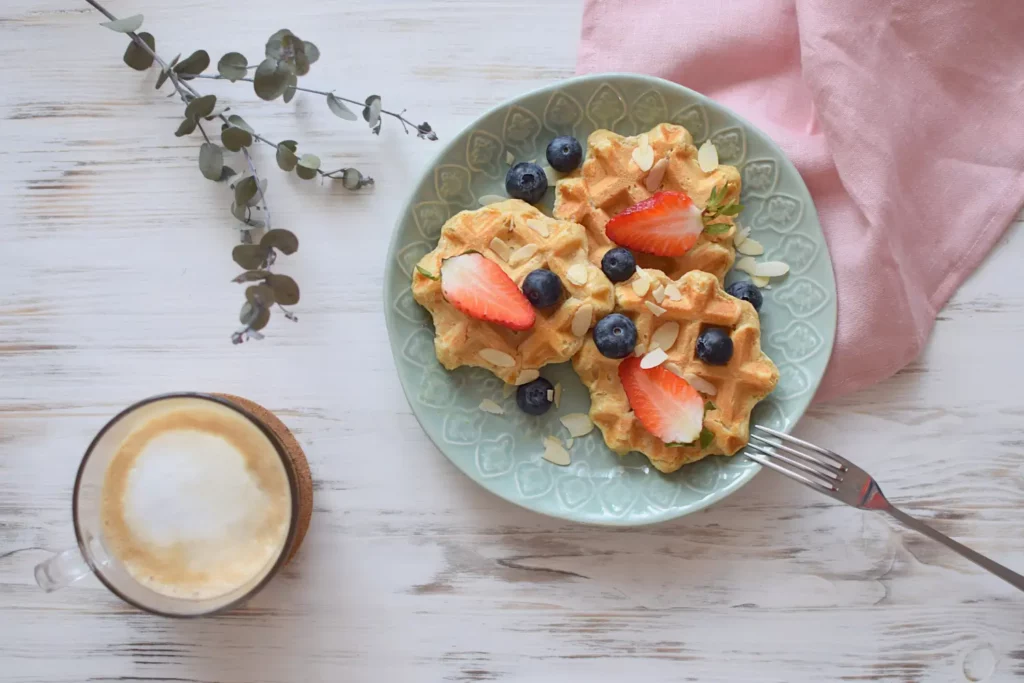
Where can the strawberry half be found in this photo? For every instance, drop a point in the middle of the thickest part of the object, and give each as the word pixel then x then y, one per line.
pixel 481 289
pixel 666 224
pixel 665 404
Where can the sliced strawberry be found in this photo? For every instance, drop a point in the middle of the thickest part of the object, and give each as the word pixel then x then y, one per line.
pixel 666 405
pixel 481 289
pixel 666 224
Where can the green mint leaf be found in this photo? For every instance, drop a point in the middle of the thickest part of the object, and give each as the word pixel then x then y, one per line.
pixel 427 274
pixel 678 444
pixel 706 437
pixel 717 228
pixel 731 209
pixel 708 405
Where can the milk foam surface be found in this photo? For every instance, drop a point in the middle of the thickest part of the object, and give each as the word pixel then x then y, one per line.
pixel 196 502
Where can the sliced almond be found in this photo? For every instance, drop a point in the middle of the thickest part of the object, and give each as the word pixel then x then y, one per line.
pixel 665 336
pixel 522 254
pixel 577 274
pixel 489 406
pixel 551 395
pixel 498 358
pixel 740 235
pixel 491 199
pixel 674 369
pixel 639 350
pixel 578 424
pixel 510 158
pixel 761 282
pixel 527 376
pixel 644 157
pixel 657 174
pixel 501 248
pixel 750 247
pixel 707 157
pixel 558 393
pixel 569 442
pixel 771 269
pixel 551 174
pixel 554 452
pixel 581 319
pixel 641 284
pixel 747 265
pixel 654 308
pixel 672 292
pixel 539 227
pixel 653 359
pixel 507 390
pixel 659 293
pixel 700 384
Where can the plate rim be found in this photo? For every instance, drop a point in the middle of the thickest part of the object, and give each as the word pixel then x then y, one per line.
pixel 668 514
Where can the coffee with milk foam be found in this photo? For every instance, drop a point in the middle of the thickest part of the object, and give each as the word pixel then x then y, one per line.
pixel 196 501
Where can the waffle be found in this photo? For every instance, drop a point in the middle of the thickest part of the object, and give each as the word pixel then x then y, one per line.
pixel 460 339
pixel 610 181
pixel 746 379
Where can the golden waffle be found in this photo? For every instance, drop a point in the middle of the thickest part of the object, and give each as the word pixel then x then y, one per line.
pixel 460 339
pixel 610 181
pixel 746 379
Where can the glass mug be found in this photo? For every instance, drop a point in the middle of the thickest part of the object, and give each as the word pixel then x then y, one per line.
pixel 186 504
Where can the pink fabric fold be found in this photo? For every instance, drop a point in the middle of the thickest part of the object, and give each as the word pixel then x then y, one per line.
pixel 904 117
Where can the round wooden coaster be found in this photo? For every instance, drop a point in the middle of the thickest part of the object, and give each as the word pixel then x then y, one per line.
pixel 300 465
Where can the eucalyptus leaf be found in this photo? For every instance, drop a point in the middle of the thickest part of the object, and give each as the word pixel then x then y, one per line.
pixel 339 108
pixel 200 107
pixel 248 313
pixel 235 138
pixel 284 241
pixel 165 73
pixel 211 160
pixel 232 66
pixel 186 127
pixel 261 192
pixel 286 158
pixel 261 296
pixel 289 90
pixel 262 318
pixel 226 172
pixel 352 179
pixel 275 44
pixel 286 290
pixel 271 79
pixel 245 189
pixel 312 51
pixel 241 212
pixel 126 25
pixel 307 166
pixel 137 57
pixel 252 276
pixel 371 113
pixel 290 144
pixel 193 65
pixel 238 122
pixel 301 61
pixel 250 256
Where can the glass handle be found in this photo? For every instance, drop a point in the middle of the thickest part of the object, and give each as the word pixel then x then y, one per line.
pixel 61 570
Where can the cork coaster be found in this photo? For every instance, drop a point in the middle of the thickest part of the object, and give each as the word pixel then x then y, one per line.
pixel 300 466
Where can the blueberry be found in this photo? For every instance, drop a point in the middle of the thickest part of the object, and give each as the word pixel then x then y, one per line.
pixel 565 153
pixel 618 264
pixel 748 291
pixel 526 181
pixel 542 288
pixel 532 397
pixel 714 346
pixel 615 336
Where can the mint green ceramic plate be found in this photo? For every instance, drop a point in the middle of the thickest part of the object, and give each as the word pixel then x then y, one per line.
pixel 502 452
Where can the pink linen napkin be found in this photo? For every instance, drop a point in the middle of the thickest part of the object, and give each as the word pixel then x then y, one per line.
pixel 904 117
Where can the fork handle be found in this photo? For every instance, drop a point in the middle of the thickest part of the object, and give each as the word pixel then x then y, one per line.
pixel 1007 575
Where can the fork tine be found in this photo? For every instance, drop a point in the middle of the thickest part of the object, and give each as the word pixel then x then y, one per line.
pixel 827 468
pixel 809 472
pixel 839 460
pixel 767 462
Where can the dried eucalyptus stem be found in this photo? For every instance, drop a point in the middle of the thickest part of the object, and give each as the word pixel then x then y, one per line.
pixel 287 58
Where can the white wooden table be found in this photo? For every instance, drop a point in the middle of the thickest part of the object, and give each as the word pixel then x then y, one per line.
pixel 114 285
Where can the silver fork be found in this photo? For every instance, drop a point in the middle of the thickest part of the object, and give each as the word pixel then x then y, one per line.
pixel 830 473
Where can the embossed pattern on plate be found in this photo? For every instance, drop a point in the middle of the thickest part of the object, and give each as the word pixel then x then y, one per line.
pixel 503 452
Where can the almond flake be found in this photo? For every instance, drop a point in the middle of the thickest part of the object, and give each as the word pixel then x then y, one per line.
pixel 581 319
pixel 761 282
pixel 641 284
pixel 675 369
pixel 569 442
pixel 551 174
pixel 657 174
pixel 654 308
pixel 741 235
pixel 522 254
pixel 507 390
pixel 539 227
pixel 491 199
pixel 489 406
pixel 510 158
pixel 659 293
pixel 578 424
pixel 554 452
pixel 499 247
pixel 771 269
pixel 639 350
pixel 577 274
pixel 750 247
pixel 707 157
pixel 527 376
pixel 665 336
pixel 643 157
pixel 747 265
pixel 653 359
pixel 551 395
pixel 672 292
pixel 498 358
pixel 700 384
pixel 558 393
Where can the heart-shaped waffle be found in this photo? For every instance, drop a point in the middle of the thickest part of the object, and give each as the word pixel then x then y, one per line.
pixel 694 301
pixel 520 239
